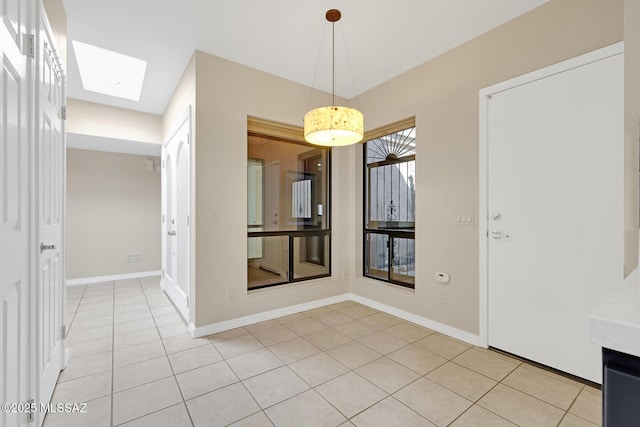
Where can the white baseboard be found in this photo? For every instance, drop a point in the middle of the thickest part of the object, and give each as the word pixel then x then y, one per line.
pixel 419 320
pixel 261 317
pixel 98 279
pixel 285 311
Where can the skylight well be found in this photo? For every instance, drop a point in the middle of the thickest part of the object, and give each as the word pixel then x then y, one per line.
pixel 109 72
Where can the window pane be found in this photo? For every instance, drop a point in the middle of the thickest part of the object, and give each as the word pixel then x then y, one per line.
pixel 403 261
pixel 390 181
pixel 392 196
pixel 310 256
pixel 287 205
pixel 294 185
pixel 268 261
pixel 392 147
pixel 377 256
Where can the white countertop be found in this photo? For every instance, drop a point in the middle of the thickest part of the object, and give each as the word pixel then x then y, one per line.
pixel 615 324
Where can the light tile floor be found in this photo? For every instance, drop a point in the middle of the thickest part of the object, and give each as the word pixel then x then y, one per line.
pixel 134 364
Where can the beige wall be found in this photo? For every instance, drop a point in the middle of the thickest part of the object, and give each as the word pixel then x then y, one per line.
pixel 88 118
pixel 113 209
pixel 631 130
pixel 183 96
pixel 443 95
pixel 226 94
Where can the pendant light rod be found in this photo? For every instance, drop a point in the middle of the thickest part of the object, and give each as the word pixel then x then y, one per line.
pixel 333 16
pixel 333 61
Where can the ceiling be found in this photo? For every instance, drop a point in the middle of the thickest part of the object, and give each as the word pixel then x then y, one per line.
pixel 287 38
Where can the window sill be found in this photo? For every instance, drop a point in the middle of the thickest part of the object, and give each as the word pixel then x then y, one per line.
pixel 289 286
pixel 392 286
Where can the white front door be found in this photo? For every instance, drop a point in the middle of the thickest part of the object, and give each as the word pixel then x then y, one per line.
pixel 176 199
pixel 15 329
pixel 50 173
pixel 554 205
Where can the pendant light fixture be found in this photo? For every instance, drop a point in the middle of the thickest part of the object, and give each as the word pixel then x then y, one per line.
pixel 333 126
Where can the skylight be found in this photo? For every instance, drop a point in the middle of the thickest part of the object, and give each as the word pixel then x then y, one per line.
pixel 109 72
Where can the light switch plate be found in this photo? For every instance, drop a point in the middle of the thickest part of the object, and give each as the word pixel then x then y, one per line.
pixel 465 219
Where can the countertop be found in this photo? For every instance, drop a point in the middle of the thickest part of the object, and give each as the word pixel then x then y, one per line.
pixel 615 324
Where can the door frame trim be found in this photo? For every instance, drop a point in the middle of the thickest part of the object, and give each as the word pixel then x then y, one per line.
pixel 485 95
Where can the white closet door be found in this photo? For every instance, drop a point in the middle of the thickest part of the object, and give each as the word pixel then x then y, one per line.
pixel 176 199
pixel 555 200
pixel 50 172
pixel 15 296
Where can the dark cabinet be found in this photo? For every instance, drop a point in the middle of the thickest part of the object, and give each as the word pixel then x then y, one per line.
pixel 620 389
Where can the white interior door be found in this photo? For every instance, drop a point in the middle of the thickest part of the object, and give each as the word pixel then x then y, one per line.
pixel 50 173
pixel 176 199
pixel 276 252
pixel 15 237
pixel 255 207
pixel 555 200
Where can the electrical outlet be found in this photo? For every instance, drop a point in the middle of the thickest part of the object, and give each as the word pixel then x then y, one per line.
pixel 344 275
pixel 231 294
pixel 136 257
pixel 443 299
pixel 214 218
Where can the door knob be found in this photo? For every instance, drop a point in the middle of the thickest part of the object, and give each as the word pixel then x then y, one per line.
pixel 171 233
pixel 496 234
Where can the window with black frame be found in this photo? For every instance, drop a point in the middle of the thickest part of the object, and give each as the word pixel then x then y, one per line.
pixel 389 208
pixel 288 234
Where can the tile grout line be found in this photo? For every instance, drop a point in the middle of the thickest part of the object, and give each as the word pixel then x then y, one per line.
pixel 473 403
pixel 429 379
pixel 572 403
pixel 480 373
pixel 411 409
pixel 184 402
pixel 478 400
pixel 521 364
pixel 538 399
pixel 241 381
pixel 583 418
pixel 84 289
pixel 497 383
pixel 113 347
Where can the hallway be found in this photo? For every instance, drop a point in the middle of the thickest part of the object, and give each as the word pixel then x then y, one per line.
pixel 134 364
